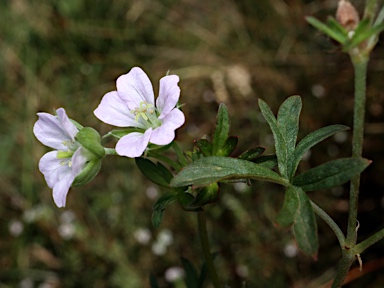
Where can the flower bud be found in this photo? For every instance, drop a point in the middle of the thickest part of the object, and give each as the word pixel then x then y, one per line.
pixel 347 15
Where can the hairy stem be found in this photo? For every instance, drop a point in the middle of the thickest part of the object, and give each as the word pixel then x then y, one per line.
pixel 327 219
pixel 342 270
pixel 361 247
pixel 202 226
pixel 360 64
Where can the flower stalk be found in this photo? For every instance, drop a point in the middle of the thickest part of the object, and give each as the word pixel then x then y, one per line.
pixel 203 234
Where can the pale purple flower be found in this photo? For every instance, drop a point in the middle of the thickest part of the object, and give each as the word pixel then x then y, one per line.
pixel 133 105
pixel 61 166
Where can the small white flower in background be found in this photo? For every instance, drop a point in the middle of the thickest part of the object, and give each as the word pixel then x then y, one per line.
pixel 133 105
pixel 61 166
pixel 142 235
pixel 15 227
pixel 174 274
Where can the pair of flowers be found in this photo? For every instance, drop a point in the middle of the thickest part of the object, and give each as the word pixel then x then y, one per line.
pixel 77 155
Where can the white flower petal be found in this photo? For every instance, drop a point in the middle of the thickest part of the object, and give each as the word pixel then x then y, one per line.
pixel 67 125
pixel 114 111
pixel 133 144
pixel 168 95
pixel 135 87
pixel 52 168
pixel 61 188
pixel 165 134
pixel 50 131
pixel 78 161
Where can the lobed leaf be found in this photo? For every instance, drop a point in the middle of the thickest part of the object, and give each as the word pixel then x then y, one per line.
pixel 287 214
pixel 304 226
pixel 158 174
pixel 309 141
pixel 207 170
pixel 280 145
pixel 330 31
pixel 331 174
pixel 220 134
pixel 288 121
pixel 159 207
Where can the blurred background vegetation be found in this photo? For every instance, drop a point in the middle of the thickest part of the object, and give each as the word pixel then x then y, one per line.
pixel 69 53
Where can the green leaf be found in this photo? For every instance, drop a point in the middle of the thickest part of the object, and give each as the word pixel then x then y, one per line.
pixel 331 32
pixel 220 134
pixel 205 147
pixel 287 214
pixel 288 121
pixel 361 33
pixel 213 169
pixel 311 140
pixel 159 207
pixel 191 276
pixel 252 153
pixel 333 24
pixel 304 226
pixel 280 145
pixel 158 174
pixel 90 139
pixel 268 161
pixel 228 147
pixel 330 174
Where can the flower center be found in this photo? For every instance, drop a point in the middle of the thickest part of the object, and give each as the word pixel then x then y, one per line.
pixel 66 155
pixel 146 114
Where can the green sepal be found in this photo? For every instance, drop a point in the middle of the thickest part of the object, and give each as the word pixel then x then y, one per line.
pixel 309 141
pixel 90 139
pixel 252 153
pixel 305 226
pixel 159 207
pixel 287 214
pixel 207 195
pixel 280 144
pixel 205 147
pixel 186 199
pixel 89 171
pixel 220 135
pixel 228 147
pixel 330 30
pixel 118 133
pixel 330 174
pixel 157 173
pixel 207 170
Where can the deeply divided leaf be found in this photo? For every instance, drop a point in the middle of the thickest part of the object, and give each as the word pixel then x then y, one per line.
pixel 330 31
pixel 330 174
pixel 280 145
pixel 309 141
pixel 159 207
pixel 287 214
pixel 288 121
pixel 213 169
pixel 220 134
pixel 304 226
pixel 158 174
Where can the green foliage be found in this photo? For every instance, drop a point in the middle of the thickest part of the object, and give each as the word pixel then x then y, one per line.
pixel 304 225
pixel 331 174
pixel 215 169
pixel 159 207
pixel 220 135
pixel 157 173
pixel 287 214
pixel 192 277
